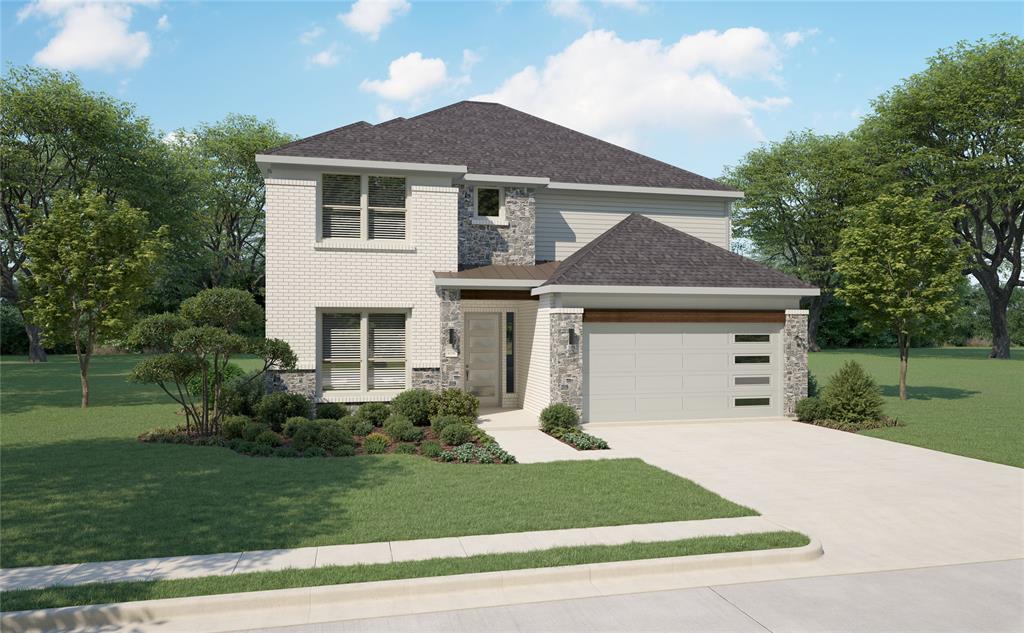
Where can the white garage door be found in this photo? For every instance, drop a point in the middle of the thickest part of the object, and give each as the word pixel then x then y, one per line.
pixel 681 371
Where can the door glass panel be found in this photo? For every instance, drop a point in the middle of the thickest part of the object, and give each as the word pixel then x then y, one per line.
pixel 752 338
pixel 510 361
pixel 752 380
pixel 753 360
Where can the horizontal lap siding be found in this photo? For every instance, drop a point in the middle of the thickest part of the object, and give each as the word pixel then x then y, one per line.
pixel 567 220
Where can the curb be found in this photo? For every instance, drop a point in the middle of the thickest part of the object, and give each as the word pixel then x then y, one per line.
pixel 308 605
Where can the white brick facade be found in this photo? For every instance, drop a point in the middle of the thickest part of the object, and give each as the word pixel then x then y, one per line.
pixel 306 277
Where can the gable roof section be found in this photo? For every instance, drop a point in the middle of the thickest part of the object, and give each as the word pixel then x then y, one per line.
pixel 493 139
pixel 639 251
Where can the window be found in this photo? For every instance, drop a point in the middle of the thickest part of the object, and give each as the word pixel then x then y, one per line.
pixel 751 338
pixel 741 381
pixel 752 402
pixel 489 202
pixel 752 360
pixel 344 367
pixel 363 207
pixel 510 361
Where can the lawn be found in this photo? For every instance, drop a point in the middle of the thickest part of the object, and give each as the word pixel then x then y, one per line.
pixel 107 593
pixel 78 486
pixel 959 400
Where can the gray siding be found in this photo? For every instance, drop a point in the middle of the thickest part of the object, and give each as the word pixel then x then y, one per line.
pixel 567 220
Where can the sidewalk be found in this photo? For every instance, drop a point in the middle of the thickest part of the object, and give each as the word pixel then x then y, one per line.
pixel 370 553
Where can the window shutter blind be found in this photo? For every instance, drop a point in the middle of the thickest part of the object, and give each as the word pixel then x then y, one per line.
pixel 387 207
pixel 341 351
pixel 387 351
pixel 341 206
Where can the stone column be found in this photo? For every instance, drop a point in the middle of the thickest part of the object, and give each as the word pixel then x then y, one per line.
pixel 451 353
pixel 567 357
pixel 794 341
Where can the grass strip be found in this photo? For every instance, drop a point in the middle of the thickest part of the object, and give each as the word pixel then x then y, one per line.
pixel 105 593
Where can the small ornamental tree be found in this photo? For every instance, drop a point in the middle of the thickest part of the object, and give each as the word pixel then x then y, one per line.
pixel 196 345
pixel 92 263
pixel 900 269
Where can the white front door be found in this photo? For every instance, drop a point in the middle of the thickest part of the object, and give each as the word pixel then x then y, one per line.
pixel 482 357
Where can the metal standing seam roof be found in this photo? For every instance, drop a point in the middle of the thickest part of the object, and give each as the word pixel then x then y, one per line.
pixel 493 139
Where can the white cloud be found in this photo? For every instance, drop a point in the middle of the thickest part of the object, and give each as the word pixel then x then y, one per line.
pixel 370 16
pixel 409 77
pixel 630 5
pixel 614 88
pixel 794 38
pixel 164 23
pixel 92 35
pixel 308 37
pixel 326 58
pixel 385 112
pixel 470 58
pixel 571 9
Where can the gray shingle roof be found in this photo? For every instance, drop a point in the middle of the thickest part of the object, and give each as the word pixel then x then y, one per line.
pixel 639 251
pixel 493 139
pixel 507 272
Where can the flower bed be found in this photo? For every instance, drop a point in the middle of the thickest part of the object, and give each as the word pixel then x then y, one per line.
pixel 561 422
pixel 578 439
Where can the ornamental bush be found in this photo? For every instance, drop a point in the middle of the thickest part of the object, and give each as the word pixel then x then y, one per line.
pixel 242 395
pixel 231 428
pixel 406 449
pixel 292 425
pixel 414 404
pixel 430 449
pixel 333 436
pixel 331 411
pixel 455 402
pixel 268 438
pixel 438 422
pixel 400 429
pixel 584 441
pixel 252 429
pixel 456 434
pixel 275 408
pixel 852 396
pixel 357 425
pixel 374 412
pixel 376 443
pixel 810 409
pixel 558 416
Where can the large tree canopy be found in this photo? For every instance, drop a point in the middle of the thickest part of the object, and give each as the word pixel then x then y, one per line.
pixel 955 134
pixel 796 197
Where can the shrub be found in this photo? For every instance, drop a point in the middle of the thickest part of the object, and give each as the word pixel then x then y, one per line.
pixel 400 429
pixel 241 395
pixel 376 443
pixel 244 447
pixel 583 441
pixel 261 450
pixel 851 396
pixel 500 454
pixel 438 422
pixel 332 436
pixel 314 451
pixel 305 436
pixel 810 409
pixel 292 425
pixel 430 449
pixel 558 416
pixel 13 339
pixel 406 449
pixel 286 451
pixel 231 428
pixel 331 411
pixel 269 438
pixel 252 429
pixel 375 412
pixel 358 426
pixel 812 385
pixel 455 434
pixel 345 450
pixel 275 408
pixel 455 402
pixel 414 404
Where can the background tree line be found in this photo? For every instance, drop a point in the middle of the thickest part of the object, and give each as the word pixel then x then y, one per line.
pixel 950 138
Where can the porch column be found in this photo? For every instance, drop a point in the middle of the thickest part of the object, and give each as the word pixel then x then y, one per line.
pixel 451 352
pixel 566 335
pixel 794 335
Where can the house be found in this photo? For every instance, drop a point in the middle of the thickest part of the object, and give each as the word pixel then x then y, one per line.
pixel 479 247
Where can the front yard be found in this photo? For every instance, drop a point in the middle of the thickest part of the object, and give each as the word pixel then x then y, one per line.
pixel 78 486
pixel 959 401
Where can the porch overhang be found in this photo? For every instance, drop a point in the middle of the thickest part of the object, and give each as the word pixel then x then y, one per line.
pixel 676 290
pixel 497 277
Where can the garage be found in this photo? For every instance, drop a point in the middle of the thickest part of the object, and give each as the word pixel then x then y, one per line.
pixel 681 371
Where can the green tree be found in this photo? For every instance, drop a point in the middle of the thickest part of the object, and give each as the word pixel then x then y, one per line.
pixel 900 269
pixel 92 264
pixel 954 133
pixel 55 137
pixel 231 197
pixel 797 194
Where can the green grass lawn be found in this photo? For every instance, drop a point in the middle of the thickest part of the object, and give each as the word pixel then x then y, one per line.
pixel 959 400
pixel 107 593
pixel 77 485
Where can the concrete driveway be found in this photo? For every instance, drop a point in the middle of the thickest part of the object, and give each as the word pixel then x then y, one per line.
pixel 874 505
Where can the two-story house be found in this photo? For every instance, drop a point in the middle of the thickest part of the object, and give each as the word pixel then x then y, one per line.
pixel 479 247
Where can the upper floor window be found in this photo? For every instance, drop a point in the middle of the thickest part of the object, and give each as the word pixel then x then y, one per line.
pixel 363 207
pixel 490 202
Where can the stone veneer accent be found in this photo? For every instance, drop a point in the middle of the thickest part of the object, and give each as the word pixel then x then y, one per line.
pixel 451 317
pixel 566 360
pixel 301 381
pixel 483 244
pixel 795 358
pixel 426 378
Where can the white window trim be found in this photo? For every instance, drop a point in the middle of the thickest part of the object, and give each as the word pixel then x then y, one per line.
pixel 500 220
pixel 364 393
pixel 352 243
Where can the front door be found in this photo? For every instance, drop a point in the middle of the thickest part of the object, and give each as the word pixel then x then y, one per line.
pixel 482 357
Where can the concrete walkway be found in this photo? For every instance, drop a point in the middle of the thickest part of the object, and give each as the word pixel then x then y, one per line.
pixel 370 553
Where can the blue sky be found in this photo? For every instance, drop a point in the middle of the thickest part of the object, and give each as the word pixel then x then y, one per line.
pixel 693 84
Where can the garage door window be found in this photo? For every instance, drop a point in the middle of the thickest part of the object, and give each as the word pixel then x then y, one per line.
pixel 752 338
pixel 746 381
pixel 752 402
pixel 751 359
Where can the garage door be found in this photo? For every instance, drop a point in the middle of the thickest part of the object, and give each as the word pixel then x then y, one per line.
pixel 681 371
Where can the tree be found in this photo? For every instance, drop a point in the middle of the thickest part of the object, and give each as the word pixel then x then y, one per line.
pixel 796 197
pixel 231 197
pixel 198 342
pixel 57 137
pixel 955 133
pixel 92 264
pixel 900 269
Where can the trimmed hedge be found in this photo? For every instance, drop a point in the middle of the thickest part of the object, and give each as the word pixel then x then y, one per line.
pixel 558 416
pixel 414 404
